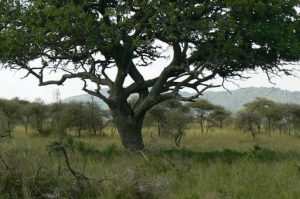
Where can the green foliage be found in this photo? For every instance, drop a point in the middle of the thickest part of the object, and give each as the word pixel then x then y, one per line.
pixel 264 112
pixel 8 116
pixel 156 117
pixel 177 115
pixel 75 116
pixel 171 119
pixel 85 149
pixel 95 117
pixel 40 120
pixel 83 39
pixel 58 118
pixel 208 115
pixel 83 116
pixel 249 121
pixel 26 114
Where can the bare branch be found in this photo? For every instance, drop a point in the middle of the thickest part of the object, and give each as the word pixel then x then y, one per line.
pixel 96 92
pixel 60 147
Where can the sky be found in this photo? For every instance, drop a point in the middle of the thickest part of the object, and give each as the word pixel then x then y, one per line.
pixel 11 85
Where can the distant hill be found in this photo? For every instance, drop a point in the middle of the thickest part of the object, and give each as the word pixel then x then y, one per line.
pixel 239 97
pixel 232 101
pixel 87 97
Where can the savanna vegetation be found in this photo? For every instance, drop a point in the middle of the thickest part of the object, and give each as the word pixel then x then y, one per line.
pixel 197 150
pixel 193 150
pixel 90 40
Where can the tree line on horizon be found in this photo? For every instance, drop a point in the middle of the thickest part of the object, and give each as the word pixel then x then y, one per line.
pixel 171 118
pixel 45 119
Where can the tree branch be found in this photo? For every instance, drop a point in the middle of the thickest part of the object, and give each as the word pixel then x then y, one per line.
pixel 96 92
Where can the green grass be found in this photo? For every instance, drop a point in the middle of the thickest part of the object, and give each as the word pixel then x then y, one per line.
pixel 222 164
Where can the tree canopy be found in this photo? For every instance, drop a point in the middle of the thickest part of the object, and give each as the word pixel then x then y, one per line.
pixel 85 39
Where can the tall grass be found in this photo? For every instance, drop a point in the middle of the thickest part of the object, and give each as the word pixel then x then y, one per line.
pixel 222 164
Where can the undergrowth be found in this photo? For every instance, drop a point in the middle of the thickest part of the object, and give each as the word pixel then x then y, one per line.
pixel 34 167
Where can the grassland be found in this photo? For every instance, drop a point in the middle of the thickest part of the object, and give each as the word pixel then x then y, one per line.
pixel 222 164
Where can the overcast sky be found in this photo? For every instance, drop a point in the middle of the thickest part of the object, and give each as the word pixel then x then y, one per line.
pixel 11 85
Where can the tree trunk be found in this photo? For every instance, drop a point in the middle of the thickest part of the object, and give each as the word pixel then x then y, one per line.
pixel 280 129
pixel 252 131
pixel 79 132
pixel 129 128
pixel 253 134
pixel 26 129
pixel 289 129
pixel 269 126
pixel 95 131
pixel 178 137
pixel 9 131
pixel 221 124
pixel 26 124
pixel 202 126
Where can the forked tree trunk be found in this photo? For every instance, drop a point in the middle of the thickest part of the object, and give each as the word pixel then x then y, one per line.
pixel 129 128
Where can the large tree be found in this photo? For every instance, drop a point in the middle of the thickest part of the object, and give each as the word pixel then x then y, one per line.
pixel 84 39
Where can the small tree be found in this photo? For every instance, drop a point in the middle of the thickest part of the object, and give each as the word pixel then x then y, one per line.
pixel 266 108
pixel 26 114
pixel 292 116
pixel 40 119
pixel 9 110
pixel 95 116
pixel 297 120
pixel 56 114
pixel 249 121
pixel 176 118
pixel 219 115
pixel 157 116
pixel 56 110
pixel 76 116
pixel 203 110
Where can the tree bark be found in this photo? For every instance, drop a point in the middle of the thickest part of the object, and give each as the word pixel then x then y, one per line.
pixel 178 137
pixel 269 126
pixel 130 128
pixel 202 126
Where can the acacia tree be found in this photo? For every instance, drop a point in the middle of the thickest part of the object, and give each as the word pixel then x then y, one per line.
pixel 8 116
pixel 84 39
pixel 204 110
pixel 249 121
pixel 40 117
pixel 219 115
pixel 95 116
pixel 157 116
pixel 177 119
pixel 266 108
pixel 75 116
pixel 296 119
pixel 26 114
pixel 290 117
